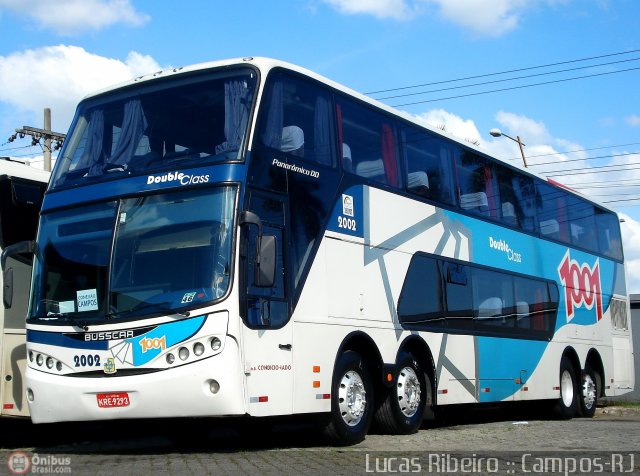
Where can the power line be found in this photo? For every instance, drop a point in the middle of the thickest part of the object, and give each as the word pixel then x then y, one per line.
pixel 543 83
pixel 586 158
pixel 507 79
pixel 504 72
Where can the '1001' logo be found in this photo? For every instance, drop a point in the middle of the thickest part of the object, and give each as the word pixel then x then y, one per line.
pixel 581 284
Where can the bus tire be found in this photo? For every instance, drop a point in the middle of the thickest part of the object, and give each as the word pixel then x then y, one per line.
pixel 567 405
pixel 402 410
pixel 351 402
pixel 589 388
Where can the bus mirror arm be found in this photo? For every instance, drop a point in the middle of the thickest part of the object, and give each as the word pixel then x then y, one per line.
pixel 14 250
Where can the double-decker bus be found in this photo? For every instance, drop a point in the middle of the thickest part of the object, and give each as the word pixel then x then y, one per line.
pixel 248 238
pixel 21 190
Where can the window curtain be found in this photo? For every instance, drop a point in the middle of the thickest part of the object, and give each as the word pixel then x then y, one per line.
pixel 134 124
pixel 322 131
pixel 389 155
pixel 93 148
pixel 236 112
pixel 272 129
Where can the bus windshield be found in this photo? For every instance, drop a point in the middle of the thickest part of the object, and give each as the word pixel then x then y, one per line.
pixel 186 122
pixel 138 256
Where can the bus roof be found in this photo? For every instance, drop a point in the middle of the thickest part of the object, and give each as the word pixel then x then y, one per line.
pixel 264 65
pixel 13 168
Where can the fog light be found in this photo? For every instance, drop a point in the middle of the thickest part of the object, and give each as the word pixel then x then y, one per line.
pixel 49 363
pixel 214 387
pixel 30 395
pixel 183 353
pixel 198 349
pixel 59 366
pixel 39 359
pixel 171 358
pixel 215 344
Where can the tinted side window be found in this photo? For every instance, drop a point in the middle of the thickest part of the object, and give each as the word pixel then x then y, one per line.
pixel 369 146
pixel 298 120
pixel 608 230
pixel 429 165
pixel 477 185
pixel 552 212
pixel 421 297
pixel 582 223
pixel 517 199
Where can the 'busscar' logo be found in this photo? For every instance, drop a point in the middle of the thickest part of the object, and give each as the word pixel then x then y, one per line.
pixel 581 284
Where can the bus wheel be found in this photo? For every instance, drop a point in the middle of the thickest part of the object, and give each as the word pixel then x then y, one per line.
pixel 403 407
pixel 351 402
pixel 567 405
pixel 589 392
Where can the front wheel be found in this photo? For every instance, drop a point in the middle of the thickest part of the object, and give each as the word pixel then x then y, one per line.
pixel 403 407
pixel 351 402
pixel 567 405
pixel 589 392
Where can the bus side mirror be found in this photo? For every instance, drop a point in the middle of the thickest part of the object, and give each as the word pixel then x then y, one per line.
pixel 266 261
pixel 265 256
pixel 7 287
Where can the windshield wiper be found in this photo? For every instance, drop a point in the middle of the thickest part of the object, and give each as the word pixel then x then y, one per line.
pixel 163 307
pixel 82 324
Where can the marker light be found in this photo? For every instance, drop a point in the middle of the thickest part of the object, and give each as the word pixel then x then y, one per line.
pixel 216 344
pixel 198 349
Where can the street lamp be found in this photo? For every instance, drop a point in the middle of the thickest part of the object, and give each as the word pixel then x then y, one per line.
pixel 498 133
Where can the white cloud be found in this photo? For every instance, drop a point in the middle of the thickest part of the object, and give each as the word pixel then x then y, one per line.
pixel 483 17
pixel 396 9
pixel 633 120
pixel 68 17
pixel 59 76
pixel 455 125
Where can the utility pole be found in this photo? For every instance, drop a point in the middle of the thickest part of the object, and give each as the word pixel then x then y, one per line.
pixel 38 134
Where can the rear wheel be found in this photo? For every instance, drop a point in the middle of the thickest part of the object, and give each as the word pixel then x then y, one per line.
pixel 567 405
pixel 351 402
pixel 589 392
pixel 402 410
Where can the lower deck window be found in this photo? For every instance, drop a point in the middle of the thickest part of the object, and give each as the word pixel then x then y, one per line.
pixel 451 296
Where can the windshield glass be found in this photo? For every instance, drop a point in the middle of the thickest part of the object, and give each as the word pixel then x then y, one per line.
pixel 140 256
pixel 157 125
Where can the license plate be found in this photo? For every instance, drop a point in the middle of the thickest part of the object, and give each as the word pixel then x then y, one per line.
pixel 113 400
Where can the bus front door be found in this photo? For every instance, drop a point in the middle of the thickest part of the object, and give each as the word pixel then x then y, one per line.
pixel 267 333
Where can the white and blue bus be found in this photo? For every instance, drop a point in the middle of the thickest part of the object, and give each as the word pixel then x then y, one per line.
pixel 21 191
pixel 248 238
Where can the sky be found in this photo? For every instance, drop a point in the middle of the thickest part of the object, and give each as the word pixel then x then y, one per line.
pixel 562 75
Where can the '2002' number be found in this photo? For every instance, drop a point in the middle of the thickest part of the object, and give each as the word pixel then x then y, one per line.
pixel 348 223
pixel 86 360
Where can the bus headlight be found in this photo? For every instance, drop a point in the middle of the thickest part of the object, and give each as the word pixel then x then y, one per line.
pixel 49 363
pixel 183 353
pixel 39 359
pixel 171 359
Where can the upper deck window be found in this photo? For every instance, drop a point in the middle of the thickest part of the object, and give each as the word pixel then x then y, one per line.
pixel 157 125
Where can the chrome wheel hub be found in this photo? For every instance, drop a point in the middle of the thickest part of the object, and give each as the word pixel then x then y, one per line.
pixel 352 398
pixel 408 392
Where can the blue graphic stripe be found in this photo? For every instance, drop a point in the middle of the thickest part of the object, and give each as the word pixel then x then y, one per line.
pixel 61 340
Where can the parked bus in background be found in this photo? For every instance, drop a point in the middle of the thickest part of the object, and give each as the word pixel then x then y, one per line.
pixel 248 238
pixel 21 190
